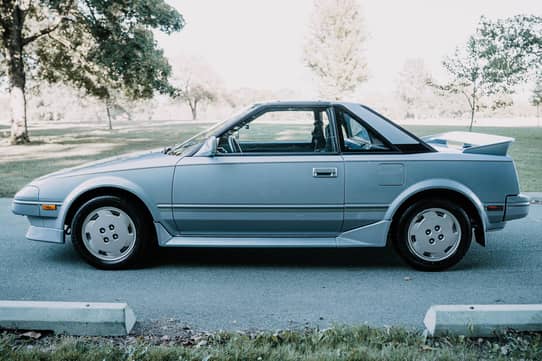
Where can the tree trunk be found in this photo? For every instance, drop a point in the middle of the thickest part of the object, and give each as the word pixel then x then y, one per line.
pixel 194 109
pixel 471 119
pixel 13 41
pixel 472 111
pixel 107 104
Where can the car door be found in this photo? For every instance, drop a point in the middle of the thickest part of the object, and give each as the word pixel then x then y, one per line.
pixel 287 179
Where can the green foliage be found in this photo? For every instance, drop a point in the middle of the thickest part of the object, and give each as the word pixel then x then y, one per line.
pixel 110 45
pixel 99 45
pixel 513 43
pixel 476 75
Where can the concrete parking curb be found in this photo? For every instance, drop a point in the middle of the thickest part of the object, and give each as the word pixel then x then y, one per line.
pixel 73 318
pixel 482 320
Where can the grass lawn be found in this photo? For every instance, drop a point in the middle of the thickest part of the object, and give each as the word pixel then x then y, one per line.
pixel 54 148
pixel 337 343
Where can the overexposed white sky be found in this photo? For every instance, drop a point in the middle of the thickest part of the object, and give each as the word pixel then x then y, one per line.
pixel 258 44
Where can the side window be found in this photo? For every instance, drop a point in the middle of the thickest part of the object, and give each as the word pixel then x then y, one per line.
pixel 356 137
pixel 281 131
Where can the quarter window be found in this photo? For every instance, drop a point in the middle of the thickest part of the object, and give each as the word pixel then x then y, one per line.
pixel 356 137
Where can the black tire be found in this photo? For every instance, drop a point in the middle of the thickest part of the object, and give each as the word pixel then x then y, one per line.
pixel 401 229
pixel 140 247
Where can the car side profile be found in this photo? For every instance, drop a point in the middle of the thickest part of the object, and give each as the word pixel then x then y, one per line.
pixel 285 174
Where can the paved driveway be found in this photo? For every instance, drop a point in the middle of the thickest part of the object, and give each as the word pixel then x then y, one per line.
pixel 242 289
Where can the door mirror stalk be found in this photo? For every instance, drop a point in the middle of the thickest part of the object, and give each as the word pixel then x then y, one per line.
pixel 208 149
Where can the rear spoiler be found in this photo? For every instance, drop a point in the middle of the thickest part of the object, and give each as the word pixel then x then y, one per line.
pixel 467 142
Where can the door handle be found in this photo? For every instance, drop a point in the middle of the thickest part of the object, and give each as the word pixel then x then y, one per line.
pixel 324 172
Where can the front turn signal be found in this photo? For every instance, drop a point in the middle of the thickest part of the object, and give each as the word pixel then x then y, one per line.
pixel 48 207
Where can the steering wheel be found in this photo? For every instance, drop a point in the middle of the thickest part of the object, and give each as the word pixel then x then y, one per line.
pixel 357 143
pixel 234 145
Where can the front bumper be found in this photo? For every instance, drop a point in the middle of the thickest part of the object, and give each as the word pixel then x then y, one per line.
pixel 44 229
pixel 45 234
pixel 516 207
pixel 43 223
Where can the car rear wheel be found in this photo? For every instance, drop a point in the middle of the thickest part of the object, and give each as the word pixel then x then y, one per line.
pixel 433 235
pixel 110 233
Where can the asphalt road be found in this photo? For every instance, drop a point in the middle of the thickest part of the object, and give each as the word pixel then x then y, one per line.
pixel 272 289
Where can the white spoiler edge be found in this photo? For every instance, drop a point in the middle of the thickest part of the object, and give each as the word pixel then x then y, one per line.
pixel 468 142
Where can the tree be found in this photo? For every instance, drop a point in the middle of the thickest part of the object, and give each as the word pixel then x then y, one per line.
pixel 514 42
pixel 334 47
pixel 194 94
pixel 196 83
pixel 412 86
pixel 517 41
pixel 536 97
pixel 95 45
pixel 479 77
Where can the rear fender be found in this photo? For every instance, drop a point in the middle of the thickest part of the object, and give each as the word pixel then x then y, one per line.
pixel 442 184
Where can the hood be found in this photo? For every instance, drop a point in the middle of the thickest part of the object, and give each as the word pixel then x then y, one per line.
pixel 135 160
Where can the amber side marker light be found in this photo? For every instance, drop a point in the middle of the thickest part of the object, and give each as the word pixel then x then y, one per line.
pixel 48 207
pixel 494 208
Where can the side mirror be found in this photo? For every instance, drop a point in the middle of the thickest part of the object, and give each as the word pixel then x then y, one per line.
pixel 208 149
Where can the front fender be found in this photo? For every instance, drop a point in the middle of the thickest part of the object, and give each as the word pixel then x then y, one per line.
pixel 438 184
pixel 105 182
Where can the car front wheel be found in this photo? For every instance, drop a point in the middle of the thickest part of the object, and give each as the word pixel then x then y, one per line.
pixel 110 233
pixel 433 235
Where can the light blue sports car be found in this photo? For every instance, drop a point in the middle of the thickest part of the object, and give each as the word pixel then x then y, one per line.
pixel 285 174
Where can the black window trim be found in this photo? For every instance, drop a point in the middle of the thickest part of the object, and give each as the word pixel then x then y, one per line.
pixel 392 148
pixel 427 147
pixel 279 107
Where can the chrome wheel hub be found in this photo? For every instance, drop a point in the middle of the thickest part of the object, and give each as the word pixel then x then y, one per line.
pixel 434 234
pixel 109 234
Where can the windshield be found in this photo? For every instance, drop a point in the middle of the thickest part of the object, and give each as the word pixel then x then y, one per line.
pixel 202 136
pixel 196 139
